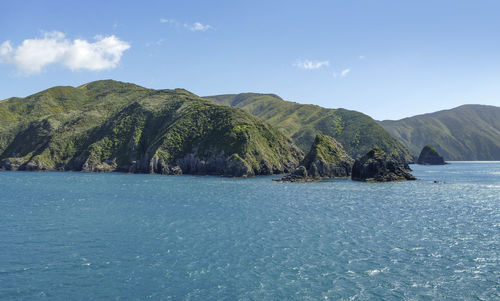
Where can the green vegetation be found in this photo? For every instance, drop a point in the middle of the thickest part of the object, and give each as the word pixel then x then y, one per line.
pixel 429 150
pixel 326 149
pixel 357 132
pixel 109 125
pixel 326 159
pixel 469 132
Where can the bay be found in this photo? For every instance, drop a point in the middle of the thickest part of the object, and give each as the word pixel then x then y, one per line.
pixel 82 236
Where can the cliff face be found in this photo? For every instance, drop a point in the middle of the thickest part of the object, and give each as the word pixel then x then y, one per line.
pixel 326 159
pixel 430 156
pixel 112 126
pixel 377 166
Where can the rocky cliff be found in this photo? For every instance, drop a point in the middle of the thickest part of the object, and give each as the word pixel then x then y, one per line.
pixel 377 166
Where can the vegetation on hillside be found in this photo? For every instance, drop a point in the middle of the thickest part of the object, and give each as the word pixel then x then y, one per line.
pixel 326 149
pixel 469 132
pixel 326 159
pixel 357 132
pixel 109 125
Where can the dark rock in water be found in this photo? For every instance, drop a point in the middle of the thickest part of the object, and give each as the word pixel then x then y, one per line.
pixel 377 166
pixel 300 174
pixel 326 159
pixel 430 156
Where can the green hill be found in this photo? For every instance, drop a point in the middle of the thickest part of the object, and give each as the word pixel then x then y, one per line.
pixel 109 125
pixel 357 132
pixel 469 132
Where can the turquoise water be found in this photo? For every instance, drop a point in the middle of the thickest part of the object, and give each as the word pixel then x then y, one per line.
pixel 79 236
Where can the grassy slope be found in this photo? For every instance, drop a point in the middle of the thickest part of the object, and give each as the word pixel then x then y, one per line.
pixel 469 132
pixel 357 132
pixel 108 125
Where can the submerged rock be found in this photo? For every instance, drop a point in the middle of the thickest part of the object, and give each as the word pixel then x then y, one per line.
pixel 430 156
pixel 377 166
pixel 326 159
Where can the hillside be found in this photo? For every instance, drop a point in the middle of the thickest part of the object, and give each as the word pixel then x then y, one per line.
pixel 469 132
pixel 115 126
pixel 357 132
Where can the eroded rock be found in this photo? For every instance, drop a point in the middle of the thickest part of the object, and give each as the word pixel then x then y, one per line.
pixel 430 156
pixel 377 166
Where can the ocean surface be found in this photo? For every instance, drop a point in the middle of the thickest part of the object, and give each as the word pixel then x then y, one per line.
pixel 82 236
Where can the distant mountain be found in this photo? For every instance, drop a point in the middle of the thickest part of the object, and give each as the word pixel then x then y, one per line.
pixel 357 132
pixel 469 132
pixel 110 125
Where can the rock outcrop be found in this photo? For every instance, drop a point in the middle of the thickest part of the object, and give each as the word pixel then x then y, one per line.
pixel 326 159
pixel 430 156
pixel 377 166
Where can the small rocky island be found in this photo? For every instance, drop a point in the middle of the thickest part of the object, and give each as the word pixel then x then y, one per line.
pixel 430 156
pixel 377 166
pixel 326 159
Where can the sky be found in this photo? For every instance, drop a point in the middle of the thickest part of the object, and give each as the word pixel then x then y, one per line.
pixel 387 59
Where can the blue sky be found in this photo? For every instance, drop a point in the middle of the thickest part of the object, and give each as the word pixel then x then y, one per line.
pixel 388 59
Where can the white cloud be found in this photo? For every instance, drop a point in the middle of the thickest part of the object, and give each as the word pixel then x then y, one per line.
pixel 105 53
pixel 197 26
pixel 311 65
pixel 344 72
pixel 54 48
pixel 362 57
pixel 5 51
pixel 162 20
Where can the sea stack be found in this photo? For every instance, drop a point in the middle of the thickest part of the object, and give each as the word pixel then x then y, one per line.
pixel 430 156
pixel 326 159
pixel 377 166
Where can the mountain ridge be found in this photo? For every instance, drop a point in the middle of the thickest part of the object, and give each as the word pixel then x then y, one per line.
pixel 467 132
pixel 357 132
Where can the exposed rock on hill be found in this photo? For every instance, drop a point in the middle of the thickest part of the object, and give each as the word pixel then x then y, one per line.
pixel 377 166
pixel 326 159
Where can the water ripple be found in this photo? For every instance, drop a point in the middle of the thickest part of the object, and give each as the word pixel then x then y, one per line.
pixel 134 237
